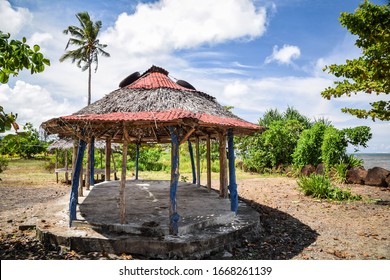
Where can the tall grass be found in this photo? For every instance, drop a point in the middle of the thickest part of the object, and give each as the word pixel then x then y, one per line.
pixel 320 186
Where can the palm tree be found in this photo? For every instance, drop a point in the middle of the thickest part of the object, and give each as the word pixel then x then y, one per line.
pixel 88 46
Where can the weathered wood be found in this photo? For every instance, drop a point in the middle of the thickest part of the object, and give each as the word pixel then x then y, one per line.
pixel 81 184
pixel 187 135
pixel 66 165
pixel 56 165
pixel 136 160
pixel 197 162
pixel 92 163
pixel 223 180
pixel 191 151
pixel 122 201
pixel 74 155
pixel 88 166
pixel 232 173
pixel 173 215
pixel 208 156
pixel 113 162
pixel 75 182
pixel 108 161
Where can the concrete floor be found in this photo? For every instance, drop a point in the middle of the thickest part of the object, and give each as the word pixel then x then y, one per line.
pixel 206 225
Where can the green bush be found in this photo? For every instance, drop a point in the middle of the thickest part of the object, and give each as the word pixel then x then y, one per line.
pixel 3 164
pixel 320 186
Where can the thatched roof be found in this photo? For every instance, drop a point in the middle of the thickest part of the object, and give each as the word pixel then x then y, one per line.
pixel 146 107
pixel 67 144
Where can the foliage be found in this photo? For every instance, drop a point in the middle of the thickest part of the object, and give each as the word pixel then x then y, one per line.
pixel 25 144
pixel 308 149
pixel 369 73
pixel 88 47
pixel 353 161
pixel 274 147
pixel 3 164
pixel 320 186
pixel 339 172
pixel 334 146
pixel 7 121
pixel 16 55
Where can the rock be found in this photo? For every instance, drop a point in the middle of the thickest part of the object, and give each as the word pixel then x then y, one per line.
pixel 387 181
pixel 226 254
pixel 356 175
pixel 320 169
pixel 308 169
pixel 377 177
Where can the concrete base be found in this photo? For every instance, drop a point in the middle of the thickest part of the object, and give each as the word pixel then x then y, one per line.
pixel 206 225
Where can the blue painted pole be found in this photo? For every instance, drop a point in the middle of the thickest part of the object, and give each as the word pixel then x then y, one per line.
pixel 136 160
pixel 232 173
pixel 92 165
pixel 192 161
pixel 75 181
pixel 173 215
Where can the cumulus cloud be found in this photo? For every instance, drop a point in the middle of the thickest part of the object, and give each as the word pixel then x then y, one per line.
pixel 12 20
pixel 173 24
pixel 285 55
pixel 32 103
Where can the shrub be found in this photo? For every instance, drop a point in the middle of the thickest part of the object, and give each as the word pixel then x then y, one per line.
pixel 320 186
pixel 3 164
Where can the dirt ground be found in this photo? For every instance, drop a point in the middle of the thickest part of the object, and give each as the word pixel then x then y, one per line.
pixel 294 226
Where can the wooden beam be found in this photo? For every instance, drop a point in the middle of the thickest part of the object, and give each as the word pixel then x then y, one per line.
pixel 191 151
pixel 232 173
pixel 173 215
pixel 197 162
pixel 66 165
pixel 108 161
pixel 75 182
pixel 208 144
pixel 136 160
pixel 56 165
pixel 187 135
pixel 74 155
pixel 92 163
pixel 88 166
pixel 223 180
pixel 122 198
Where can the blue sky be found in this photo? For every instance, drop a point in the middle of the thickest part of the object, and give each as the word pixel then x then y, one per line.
pixel 254 55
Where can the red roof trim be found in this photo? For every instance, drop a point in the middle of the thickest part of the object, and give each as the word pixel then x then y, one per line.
pixel 165 116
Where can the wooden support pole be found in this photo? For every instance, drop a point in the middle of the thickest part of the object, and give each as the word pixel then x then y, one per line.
pixel 74 155
pixel 223 180
pixel 66 165
pixel 92 163
pixel 191 151
pixel 88 165
pixel 232 173
pixel 81 180
pixel 56 165
pixel 108 162
pixel 113 162
pixel 136 160
pixel 122 200
pixel 188 134
pixel 197 162
pixel 75 182
pixel 173 215
pixel 208 144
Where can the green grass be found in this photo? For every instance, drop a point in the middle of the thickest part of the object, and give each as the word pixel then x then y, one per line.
pixel 320 186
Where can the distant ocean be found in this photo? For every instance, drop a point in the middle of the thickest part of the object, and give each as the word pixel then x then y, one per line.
pixel 373 160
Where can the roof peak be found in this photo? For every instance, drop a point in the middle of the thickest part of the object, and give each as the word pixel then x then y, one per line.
pixel 156 69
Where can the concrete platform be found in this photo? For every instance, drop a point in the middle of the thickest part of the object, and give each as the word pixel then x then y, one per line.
pixel 206 225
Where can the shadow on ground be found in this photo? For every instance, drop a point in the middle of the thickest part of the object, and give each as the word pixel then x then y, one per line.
pixel 282 236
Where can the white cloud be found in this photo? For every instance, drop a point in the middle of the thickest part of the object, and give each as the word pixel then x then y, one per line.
pixel 285 55
pixel 32 103
pixel 12 20
pixel 173 24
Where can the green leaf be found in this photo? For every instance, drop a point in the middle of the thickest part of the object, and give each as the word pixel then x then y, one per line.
pixel 36 48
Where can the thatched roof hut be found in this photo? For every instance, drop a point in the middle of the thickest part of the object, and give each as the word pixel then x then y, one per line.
pixel 152 108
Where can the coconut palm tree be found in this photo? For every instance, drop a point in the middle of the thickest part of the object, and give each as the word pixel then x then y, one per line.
pixel 87 43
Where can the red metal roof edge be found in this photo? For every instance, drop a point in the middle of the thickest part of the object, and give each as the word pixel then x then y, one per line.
pixel 164 116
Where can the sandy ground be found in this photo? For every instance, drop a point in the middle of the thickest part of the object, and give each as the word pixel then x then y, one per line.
pixel 294 226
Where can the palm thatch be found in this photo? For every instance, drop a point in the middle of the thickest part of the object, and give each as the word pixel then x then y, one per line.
pixel 67 144
pixel 146 108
